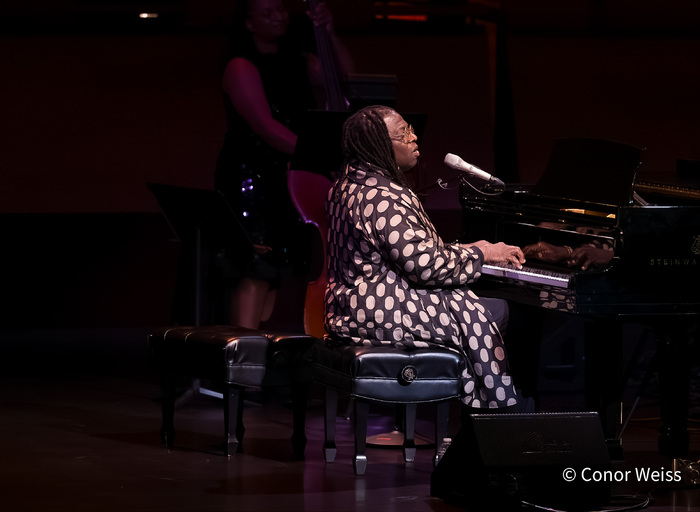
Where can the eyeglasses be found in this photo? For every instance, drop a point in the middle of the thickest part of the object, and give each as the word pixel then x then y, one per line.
pixel 406 136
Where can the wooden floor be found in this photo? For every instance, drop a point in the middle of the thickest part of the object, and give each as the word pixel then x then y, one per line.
pixel 79 431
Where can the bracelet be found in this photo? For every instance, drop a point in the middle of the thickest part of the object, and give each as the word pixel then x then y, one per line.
pixel 569 250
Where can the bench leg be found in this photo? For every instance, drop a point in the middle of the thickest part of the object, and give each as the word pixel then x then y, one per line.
pixel 167 429
pixel 409 444
pixel 361 413
pixel 299 402
pixel 329 417
pixel 233 408
pixel 442 416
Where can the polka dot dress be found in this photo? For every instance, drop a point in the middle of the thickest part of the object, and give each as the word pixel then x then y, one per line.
pixel 393 282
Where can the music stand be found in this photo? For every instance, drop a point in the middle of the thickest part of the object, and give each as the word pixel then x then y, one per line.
pixel 202 218
pixel 595 170
pixel 318 147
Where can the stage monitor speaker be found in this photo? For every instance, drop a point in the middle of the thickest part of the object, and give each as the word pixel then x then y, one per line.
pixel 499 461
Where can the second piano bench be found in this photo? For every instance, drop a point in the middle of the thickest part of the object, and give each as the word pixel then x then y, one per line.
pixel 387 375
pixel 233 358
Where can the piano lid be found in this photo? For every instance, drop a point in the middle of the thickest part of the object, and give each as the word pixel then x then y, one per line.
pixel 593 170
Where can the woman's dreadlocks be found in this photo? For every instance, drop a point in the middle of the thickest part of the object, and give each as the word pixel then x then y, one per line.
pixel 366 139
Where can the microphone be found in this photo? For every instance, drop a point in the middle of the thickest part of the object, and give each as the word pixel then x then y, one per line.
pixel 457 163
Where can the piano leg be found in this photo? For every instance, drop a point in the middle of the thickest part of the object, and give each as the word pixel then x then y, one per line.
pixel 603 376
pixel 674 355
pixel 676 345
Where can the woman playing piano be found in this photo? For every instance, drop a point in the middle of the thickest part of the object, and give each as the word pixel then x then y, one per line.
pixel 392 279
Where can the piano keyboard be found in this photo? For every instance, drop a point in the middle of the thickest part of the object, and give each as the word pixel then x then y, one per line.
pixel 528 274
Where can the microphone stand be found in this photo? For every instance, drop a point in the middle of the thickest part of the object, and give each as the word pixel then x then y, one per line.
pixel 494 184
pixel 463 179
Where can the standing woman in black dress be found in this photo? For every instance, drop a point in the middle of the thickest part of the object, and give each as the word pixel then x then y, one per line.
pixel 268 85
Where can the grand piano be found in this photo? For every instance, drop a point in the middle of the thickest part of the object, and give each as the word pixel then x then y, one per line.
pixel 647 270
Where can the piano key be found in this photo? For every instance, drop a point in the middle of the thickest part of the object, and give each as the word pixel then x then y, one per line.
pixel 528 274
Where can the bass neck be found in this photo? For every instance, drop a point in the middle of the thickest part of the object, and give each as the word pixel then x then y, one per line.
pixel 335 97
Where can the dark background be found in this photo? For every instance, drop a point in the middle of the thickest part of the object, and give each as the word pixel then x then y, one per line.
pixel 95 103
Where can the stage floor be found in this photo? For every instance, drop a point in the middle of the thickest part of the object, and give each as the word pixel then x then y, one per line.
pixel 79 431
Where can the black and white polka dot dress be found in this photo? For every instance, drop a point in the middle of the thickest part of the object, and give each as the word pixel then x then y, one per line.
pixel 393 282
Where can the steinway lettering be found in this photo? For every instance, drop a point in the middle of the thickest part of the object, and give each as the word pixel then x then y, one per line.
pixel 673 262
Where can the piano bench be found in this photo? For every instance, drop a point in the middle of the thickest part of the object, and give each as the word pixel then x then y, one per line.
pixel 233 359
pixel 386 375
